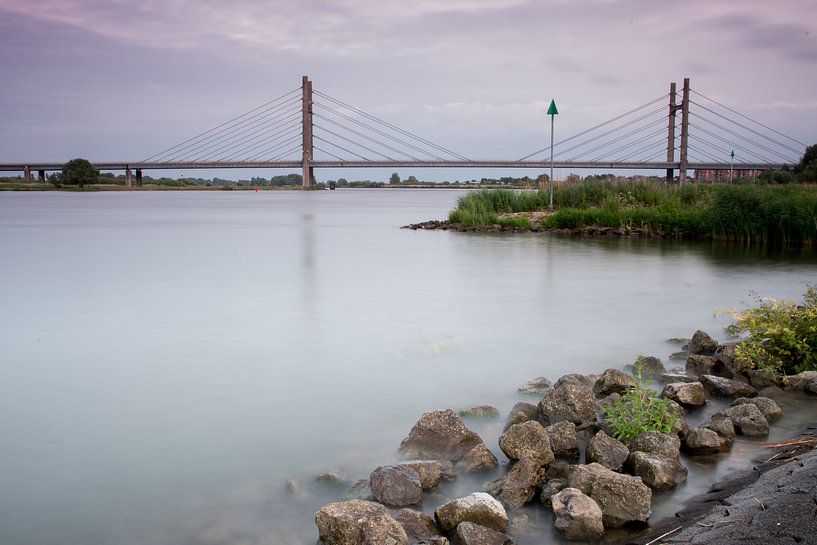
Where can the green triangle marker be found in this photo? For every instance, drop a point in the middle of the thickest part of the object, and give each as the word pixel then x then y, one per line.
pixel 552 109
pixel 733 154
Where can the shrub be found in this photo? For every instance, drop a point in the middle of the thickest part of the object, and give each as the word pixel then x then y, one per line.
pixel 639 410
pixel 782 335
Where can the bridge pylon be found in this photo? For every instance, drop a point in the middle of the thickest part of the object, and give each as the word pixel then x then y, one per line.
pixel 307 149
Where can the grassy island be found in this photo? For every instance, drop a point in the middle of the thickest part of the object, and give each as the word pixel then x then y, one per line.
pixel 770 214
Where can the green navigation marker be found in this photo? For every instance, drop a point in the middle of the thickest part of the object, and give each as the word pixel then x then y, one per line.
pixel 733 154
pixel 552 109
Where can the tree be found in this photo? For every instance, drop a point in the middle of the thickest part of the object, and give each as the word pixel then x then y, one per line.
pixel 395 178
pixel 79 172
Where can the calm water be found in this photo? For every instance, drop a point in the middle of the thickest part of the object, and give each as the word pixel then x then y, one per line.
pixel 169 360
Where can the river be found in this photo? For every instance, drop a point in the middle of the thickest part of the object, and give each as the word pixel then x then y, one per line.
pixel 170 359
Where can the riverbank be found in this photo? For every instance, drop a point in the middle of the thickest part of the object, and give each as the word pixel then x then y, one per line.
pixel 741 213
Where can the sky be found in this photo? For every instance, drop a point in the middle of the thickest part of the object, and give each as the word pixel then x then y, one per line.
pixel 120 80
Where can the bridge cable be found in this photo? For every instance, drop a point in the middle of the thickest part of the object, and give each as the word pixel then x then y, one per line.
pixel 609 132
pixel 277 147
pixel 355 143
pixel 251 138
pixel 628 145
pixel 340 147
pixel 369 138
pixel 721 127
pixel 616 139
pixel 733 144
pixel 275 142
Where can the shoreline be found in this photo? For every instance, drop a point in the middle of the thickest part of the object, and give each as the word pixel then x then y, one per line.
pixel 588 231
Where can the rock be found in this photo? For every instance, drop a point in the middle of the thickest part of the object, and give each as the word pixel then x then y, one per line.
pixel 429 471
pixel 722 425
pixel 523 525
pixel 701 343
pixel 771 392
pixel 681 427
pixel 559 470
pixel 396 485
pixel 800 381
pixel 613 381
pixel 295 490
pixel 681 355
pixel 435 540
pixel 358 522
pixel 519 485
pixel 762 378
pixel 481 411
pixel 678 340
pixel 333 479
pixel 479 508
pixel 418 526
pixel 668 378
pixel 702 441
pixel 477 460
pixel 623 499
pixel 563 440
pixel 747 419
pixel 657 471
pixel 770 409
pixel 360 490
pixel 657 443
pixel 727 362
pixel 573 402
pixel 537 386
pixel 649 366
pixel 527 440
pixel 687 394
pixel 551 487
pixel 724 387
pixel 698 365
pixel 469 533
pixel 578 517
pixel 521 412
pixel 447 470
pixel 577 378
pixel 811 387
pixel 606 451
pixel 439 435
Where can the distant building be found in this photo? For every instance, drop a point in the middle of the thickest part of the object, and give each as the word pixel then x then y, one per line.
pixel 706 175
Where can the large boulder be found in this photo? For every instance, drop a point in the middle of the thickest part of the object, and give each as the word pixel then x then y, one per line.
pixel 649 366
pixel 479 508
pixel 801 381
pixel 396 486
pixel 551 487
pixel 418 526
pixel 688 394
pixel 701 441
pixel 702 343
pixel 519 485
pixel 439 435
pixel 613 381
pixel 537 386
pixel 576 378
pixel 527 440
pixel 727 362
pixel 724 387
pixel 623 499
pixel 521 412
pixel 469 533
pixel 429 471
pixel 358 522
pixel 573 402
pixel 578 517
pixel 657 471
pixel 656 443
pixel 477 460
pixel 770 409
pixel 747 419
pixel 606 451
pixel 563 439
pixel 698 365
pixel 722 425
pixel 762 378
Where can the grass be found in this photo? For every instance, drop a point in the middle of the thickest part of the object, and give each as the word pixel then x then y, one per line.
pixel 766 214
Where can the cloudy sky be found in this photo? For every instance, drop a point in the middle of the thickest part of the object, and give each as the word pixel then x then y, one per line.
pixel 124 79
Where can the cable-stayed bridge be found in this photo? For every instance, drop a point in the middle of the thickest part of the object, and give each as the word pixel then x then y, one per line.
pixel 306 129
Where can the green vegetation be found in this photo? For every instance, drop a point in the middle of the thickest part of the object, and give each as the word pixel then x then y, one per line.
pixel 785 214
pixel 639 410
pixel 76 172
pixel 782 335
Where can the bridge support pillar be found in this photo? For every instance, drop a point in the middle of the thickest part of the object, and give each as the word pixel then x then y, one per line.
pixel 41 176
pixel 682 171
pixel 128 178
pixel 138 177
pixel 671 133
pixel 308 170
pixel 27 173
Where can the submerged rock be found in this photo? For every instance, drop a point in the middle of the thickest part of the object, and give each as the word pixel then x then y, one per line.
pixel 481 411
pixel 418 526
pixel 747 419
pixel 469 533
pixel 770 409
pixel 724 387
pixel 396 485
pixel 477 460
pixel 573 402
pixel 578 516
pixel 657 471
pixel 563 440
pixel 702 343
pixel 479 508
pixel 439 435
pixel 528 440
pixel 358 522
pixel 606 451
pixel 687 394
pixel 537 386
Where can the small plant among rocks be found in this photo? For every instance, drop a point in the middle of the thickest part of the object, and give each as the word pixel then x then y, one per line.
pixel 639 410
pixel 782 335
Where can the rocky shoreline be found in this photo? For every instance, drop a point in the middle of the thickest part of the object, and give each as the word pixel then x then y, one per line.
pixel 589 230
pixel 563 459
